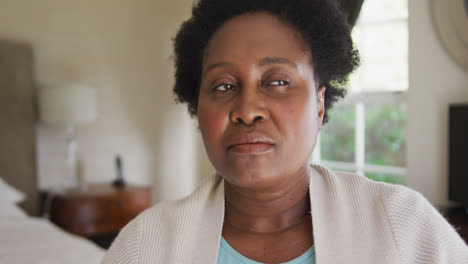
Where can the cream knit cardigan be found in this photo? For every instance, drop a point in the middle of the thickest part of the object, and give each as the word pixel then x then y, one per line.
pixel 355 220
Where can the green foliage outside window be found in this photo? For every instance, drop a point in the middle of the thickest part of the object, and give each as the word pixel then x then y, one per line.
pixel 385 138
pixel 385 135
pixel 337 136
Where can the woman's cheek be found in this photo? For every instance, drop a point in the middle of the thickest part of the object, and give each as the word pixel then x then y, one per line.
pixel 212 122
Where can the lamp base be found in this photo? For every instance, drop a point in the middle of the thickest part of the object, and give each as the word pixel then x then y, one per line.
pixel 71 180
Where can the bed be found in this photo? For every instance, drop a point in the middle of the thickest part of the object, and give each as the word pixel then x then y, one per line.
pixel 25 237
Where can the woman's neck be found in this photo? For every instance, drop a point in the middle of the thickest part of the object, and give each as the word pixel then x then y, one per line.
pixel 268 211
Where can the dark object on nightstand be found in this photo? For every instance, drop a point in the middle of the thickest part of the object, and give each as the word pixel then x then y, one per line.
pixel 120 181
pixel 458 218
pixel 100 211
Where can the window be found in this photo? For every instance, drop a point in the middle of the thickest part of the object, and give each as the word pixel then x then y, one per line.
pixel 366 132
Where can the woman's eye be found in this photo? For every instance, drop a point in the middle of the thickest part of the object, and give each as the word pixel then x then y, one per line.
pixel 225 87
pixel 279 83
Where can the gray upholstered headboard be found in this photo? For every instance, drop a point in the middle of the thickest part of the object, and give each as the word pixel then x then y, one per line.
pixel 18 121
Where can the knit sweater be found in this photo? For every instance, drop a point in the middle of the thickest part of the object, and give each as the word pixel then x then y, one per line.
pixel 355 220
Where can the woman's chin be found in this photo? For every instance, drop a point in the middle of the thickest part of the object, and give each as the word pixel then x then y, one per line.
pixel 251 179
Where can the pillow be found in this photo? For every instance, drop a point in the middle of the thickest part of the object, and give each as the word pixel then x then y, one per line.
pixel 10 211
pixel 10 194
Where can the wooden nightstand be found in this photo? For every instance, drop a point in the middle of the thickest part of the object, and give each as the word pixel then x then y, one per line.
pixel 100 211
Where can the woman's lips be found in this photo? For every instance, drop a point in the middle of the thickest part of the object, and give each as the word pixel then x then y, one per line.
pixel 251 148
pixel 250 143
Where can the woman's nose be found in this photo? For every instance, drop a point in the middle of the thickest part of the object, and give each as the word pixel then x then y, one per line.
pixel 248 109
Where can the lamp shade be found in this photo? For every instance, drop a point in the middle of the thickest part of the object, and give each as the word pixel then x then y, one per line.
pixel 71 104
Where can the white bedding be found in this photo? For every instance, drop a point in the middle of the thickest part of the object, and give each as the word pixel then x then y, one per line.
pixel 30 240
pixel 34 240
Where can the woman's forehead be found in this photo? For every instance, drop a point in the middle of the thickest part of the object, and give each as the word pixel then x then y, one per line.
pixel 254 37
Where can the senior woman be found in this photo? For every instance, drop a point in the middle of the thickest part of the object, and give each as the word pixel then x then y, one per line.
pixel 259 75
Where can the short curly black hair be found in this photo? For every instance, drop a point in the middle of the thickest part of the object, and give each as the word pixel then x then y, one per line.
pixel 319 22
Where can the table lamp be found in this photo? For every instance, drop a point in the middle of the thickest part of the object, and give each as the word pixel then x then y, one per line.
pixel 68 106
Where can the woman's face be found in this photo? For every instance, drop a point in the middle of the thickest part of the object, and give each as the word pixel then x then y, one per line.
pixel 259 110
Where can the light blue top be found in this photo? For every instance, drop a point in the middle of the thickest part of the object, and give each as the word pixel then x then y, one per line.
pixel 228 255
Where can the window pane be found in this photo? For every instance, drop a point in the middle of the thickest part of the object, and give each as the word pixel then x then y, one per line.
pixel 381 10
pixel 386 178
pixel 385 135
pixel 337 136
pixel 384 55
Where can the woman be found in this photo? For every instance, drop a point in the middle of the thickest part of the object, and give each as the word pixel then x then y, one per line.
pixel 259 75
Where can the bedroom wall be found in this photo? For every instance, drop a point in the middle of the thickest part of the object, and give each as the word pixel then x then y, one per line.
pixel 123 47
pixel 435 82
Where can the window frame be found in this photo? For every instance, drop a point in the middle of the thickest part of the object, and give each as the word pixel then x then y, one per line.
pixel 360 98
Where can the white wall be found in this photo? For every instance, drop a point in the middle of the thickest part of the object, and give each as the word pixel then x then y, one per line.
pixel 123 47
pixel 435 82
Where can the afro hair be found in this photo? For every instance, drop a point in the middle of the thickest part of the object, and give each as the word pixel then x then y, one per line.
pixel 320 22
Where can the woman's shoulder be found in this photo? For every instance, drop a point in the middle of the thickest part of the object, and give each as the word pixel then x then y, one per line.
pixel 392 195
pixel 395 198
pixel 348 182
pixel 171 222
pixel 420 232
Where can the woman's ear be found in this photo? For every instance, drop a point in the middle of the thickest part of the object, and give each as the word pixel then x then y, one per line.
pixel 321 104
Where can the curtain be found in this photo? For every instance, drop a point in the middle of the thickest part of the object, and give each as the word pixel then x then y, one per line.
pixel 351 8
